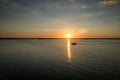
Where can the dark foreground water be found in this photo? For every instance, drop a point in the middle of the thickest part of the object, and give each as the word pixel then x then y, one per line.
pixel 57 59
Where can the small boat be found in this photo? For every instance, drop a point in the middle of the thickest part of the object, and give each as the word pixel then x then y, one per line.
pixel 73 43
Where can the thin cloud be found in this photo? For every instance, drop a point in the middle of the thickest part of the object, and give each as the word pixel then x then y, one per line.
pixel 70 5
pixel 77 4
pixel 75 1
pixel 72 0
pixel 108 2
pixel 8 3
pixel 25 10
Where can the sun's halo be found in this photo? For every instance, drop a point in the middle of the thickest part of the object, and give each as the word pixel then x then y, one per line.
pixel 68 35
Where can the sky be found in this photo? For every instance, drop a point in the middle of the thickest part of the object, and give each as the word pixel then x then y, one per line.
pixel 56 18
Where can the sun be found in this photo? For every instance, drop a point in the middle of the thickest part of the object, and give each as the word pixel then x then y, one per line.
pixel 68 35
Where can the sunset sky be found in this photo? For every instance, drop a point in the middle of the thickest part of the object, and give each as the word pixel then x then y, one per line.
pixel 55 18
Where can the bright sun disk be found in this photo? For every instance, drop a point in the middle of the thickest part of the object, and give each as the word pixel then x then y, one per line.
pixel 68 35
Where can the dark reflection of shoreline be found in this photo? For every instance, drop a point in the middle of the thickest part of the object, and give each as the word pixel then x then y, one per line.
pixel 69 50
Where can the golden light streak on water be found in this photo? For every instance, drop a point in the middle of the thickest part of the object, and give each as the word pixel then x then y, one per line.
pixel 69 50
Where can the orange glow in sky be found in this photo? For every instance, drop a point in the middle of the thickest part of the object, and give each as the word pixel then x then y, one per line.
pixel 68 35
pixel 57 18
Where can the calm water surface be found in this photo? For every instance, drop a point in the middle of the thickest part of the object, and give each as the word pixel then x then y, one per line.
pixel 57 59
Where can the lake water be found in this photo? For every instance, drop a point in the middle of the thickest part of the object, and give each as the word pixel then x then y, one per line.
pixel 57 59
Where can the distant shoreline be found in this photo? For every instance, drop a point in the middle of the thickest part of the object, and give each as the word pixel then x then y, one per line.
pixel 57 38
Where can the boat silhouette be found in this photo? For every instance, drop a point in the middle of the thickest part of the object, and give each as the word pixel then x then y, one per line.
pixel 73 43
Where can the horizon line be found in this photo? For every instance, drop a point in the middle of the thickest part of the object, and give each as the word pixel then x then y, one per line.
pixel 59 38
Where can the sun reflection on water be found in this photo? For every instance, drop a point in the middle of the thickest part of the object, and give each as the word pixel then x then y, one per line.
pixel 69 50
